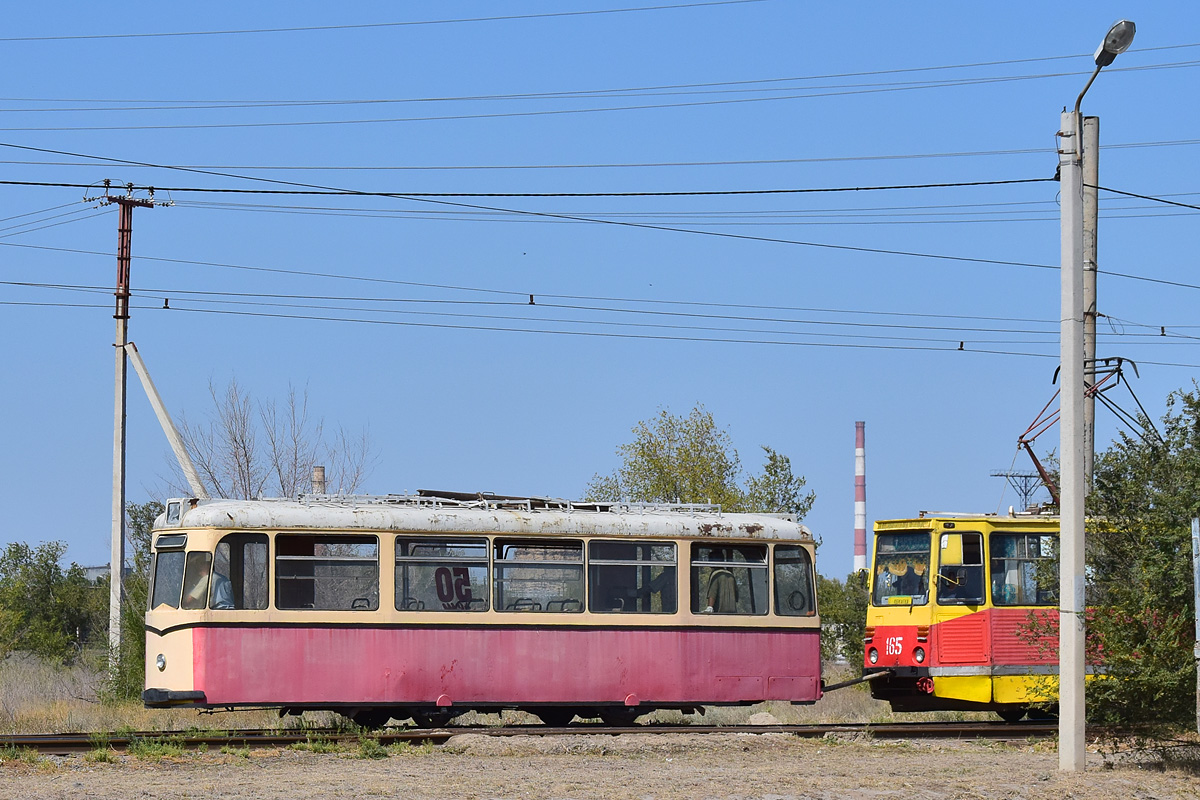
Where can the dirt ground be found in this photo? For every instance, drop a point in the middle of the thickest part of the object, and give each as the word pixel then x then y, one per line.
pixel 775 766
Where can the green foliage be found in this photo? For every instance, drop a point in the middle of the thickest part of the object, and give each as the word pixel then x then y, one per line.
pixel 128 679
pixel 369 747
pixel 1139 553
pixel 843 608
pixel 45 609
pixel 156 748
pixel 677 459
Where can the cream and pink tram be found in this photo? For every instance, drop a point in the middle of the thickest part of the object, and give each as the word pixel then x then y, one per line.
pixel 426 607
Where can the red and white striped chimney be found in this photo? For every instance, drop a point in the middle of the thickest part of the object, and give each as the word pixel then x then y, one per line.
pixel 860 496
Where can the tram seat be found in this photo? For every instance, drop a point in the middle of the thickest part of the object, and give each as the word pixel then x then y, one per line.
pixel 361 604
pixel 568 604
pixel 413 604
pixel 524 604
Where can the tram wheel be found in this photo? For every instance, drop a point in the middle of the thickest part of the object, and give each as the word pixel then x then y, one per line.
pixel 618 717
pixel 432 719
pixel 1044 714
pixel 1012 714
pixel 554 716
pixel 371 718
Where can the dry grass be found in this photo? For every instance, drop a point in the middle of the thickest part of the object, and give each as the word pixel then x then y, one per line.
pixel 37 696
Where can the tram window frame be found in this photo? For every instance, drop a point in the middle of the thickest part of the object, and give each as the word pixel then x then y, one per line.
pixel 243 560
pixel 750 578
pixel 622 577
pixel 961 584
pixel 289 582
pixel 460 582
pixel 892 560
pixel 805 604
pixel 1026 568
pixel 514 562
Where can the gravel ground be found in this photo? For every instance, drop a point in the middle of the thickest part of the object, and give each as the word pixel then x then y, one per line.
pixel 775 766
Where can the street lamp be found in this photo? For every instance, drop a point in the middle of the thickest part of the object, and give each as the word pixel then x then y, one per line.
pixel 1071 661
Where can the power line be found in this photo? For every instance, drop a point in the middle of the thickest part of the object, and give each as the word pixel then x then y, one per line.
pixel 369 25
pixel 671 90
pixel 554 112
pixel 683 193
pixel 1145 197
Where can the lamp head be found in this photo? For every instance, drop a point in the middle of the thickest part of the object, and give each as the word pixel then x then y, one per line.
pixel 1117 41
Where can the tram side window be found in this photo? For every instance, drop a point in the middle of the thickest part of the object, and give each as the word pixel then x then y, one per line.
pixel 961 583
pixel 793 582
pixel 441 574
pixel 240 572
pixel 327 572
pixel 637 577
pixel 1024 569
pixel 729 579
pixel 168 579
pixel 539 575
pixel 901 569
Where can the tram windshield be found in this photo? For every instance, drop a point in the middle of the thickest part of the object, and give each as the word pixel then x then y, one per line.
pixel 901 569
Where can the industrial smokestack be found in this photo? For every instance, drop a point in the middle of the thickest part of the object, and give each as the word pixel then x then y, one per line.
pixel 860 496
pixel 318 480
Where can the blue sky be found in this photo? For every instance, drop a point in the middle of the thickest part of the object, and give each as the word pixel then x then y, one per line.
pixel 751 96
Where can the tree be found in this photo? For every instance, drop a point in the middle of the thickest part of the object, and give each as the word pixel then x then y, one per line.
pixel 45 609
pixel 677 459
pixel 127 681
pixel 843 607
pixel 1146 492
pixel 248 448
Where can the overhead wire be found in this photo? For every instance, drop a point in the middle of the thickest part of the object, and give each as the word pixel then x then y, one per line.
pixel 548 112
pixel 369 25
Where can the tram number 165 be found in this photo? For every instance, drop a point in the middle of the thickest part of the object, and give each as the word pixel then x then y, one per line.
pixel 894 645
pixel 453 584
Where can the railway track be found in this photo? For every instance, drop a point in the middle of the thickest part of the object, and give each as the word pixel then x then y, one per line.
pixel 66 744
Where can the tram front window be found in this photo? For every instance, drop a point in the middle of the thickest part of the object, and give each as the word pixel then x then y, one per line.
pixel 901 569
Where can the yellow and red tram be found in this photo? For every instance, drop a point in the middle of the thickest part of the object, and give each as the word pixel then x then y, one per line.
pixel 427 607
pixel 963 613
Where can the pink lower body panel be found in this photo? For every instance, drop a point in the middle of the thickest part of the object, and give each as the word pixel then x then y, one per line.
pixel 482 666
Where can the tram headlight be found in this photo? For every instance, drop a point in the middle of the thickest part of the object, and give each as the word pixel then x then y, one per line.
pixel 919 655
pixel 161 662
pixel 873 656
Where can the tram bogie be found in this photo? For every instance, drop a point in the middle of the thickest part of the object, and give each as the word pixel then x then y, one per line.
pixel 424 608
pixel 962 613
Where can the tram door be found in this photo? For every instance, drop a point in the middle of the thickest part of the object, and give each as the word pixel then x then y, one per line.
pixel 962 631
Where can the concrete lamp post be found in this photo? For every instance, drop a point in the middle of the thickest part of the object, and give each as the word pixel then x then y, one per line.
pixel 1071 447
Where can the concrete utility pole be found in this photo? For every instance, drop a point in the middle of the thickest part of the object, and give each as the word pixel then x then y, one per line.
pixel 116 568
pixel 1071 660
pixel 1196 605
pixel 1091 215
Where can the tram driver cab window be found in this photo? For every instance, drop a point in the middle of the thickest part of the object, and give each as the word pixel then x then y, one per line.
pixel 960 569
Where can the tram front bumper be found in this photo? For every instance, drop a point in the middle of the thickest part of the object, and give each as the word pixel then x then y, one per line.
pixel 159 698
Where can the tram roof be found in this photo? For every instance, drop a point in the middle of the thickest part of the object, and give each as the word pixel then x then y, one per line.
pixel 536 516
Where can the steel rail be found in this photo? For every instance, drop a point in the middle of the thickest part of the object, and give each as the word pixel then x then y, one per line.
pixel 69 743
